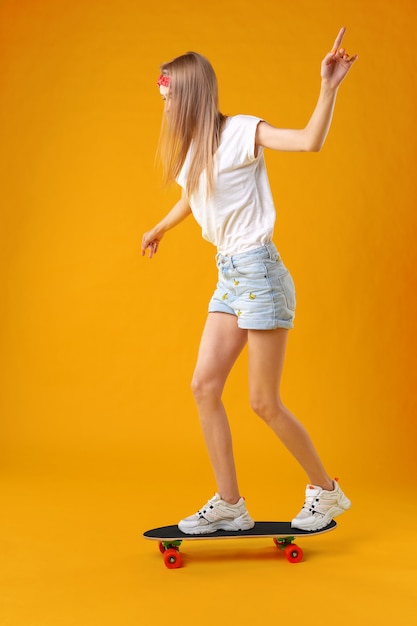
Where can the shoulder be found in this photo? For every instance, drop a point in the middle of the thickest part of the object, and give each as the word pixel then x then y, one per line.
pixel 241 126
pixel 239 138
pixel 242 120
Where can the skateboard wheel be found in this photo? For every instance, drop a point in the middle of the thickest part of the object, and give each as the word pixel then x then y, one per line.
pixel 161 547
pixel 172 558
pixel 293 553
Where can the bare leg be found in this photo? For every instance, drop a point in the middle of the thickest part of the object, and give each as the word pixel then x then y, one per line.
pixel 221 343
pixel 266 361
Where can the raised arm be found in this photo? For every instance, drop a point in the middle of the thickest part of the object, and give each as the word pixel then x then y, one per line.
pixel 334 68
pixel 152 238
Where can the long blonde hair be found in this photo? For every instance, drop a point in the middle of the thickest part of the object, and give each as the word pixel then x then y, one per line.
pixel 192 115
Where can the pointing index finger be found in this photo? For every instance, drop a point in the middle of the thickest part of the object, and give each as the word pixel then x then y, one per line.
pixel 338 39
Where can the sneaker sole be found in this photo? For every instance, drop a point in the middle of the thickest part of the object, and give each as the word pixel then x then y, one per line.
pixel 215 526
pixel 325 521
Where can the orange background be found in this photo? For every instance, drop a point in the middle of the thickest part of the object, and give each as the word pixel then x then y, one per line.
pixel 98 345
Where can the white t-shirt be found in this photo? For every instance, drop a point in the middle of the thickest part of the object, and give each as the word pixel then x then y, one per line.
pixel 239 215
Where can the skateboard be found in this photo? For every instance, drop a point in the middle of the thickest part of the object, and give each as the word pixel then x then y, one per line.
pixel 170 539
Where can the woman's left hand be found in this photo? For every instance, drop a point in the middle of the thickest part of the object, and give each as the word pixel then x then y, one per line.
pixel 337 63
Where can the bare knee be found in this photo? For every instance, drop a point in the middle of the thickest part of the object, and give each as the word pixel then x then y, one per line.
pixel 268 409
pixel 205 388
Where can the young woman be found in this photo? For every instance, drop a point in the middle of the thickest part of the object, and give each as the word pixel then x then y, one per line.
pixel 219 163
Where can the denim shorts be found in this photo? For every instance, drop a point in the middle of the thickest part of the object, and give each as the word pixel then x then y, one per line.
pixel 257 288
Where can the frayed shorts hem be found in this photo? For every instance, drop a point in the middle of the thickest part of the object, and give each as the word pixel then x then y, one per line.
pixel 254 325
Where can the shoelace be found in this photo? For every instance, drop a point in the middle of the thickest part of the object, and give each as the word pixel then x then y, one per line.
pixel 310 506
pixel 203 510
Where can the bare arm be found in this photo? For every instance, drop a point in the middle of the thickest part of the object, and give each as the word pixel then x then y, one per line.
pixel 177 214
pixel 334 68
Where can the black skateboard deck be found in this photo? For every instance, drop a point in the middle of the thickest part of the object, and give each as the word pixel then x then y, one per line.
pixel 170 538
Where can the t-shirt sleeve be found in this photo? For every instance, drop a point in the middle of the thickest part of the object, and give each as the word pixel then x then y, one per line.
pixel 243 134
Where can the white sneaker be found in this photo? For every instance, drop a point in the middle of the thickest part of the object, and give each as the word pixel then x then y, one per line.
pixel 217 515
pixel 320 507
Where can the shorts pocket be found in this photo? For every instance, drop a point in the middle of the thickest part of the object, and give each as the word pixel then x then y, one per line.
pixel 255 269
pixel 288 288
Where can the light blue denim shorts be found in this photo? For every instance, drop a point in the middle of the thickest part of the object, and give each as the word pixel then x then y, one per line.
pixel 257 288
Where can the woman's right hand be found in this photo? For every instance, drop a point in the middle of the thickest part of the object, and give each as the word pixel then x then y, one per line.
pixel 337 63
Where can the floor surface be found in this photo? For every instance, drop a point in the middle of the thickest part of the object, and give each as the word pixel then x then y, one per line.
pixel 72 554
